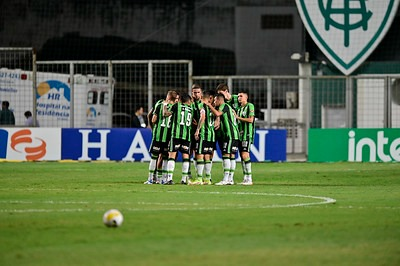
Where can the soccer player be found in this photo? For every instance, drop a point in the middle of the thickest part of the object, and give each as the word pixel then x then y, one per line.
pixel 230 137
pixel 205 141
pixel 181 132
pixel 245 117
pixel 161 135
pixel 231 99
pixel 197 104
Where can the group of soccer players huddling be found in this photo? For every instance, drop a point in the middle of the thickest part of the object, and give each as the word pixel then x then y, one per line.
pixel 194 125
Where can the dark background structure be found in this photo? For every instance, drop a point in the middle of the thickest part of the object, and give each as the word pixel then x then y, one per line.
pixel 222 37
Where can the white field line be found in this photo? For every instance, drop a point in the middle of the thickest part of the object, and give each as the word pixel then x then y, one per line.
pixel 42 210
pixel 165 206
pixel 363 207
pixel 325 200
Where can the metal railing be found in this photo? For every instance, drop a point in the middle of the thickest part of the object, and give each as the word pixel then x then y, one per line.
pixel 294 103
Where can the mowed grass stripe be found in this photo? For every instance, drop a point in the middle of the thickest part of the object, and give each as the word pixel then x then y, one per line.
pixel 200 225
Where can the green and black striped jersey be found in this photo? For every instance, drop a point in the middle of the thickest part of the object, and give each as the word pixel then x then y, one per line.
pixel 229 127
pixel 162 126
pixel 197 106
pixel 207 131
pixel 181 121
pixel 234 102
pixel 246 130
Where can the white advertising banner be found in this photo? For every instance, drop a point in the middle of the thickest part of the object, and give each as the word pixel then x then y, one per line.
pixel 33 144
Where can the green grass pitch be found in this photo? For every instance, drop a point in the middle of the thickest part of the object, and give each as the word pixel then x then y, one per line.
pixel 294 214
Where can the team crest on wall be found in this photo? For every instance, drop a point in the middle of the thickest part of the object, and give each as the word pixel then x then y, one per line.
pixel 347 31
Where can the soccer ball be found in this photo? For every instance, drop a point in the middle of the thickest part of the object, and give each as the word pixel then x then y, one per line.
pixel 113 218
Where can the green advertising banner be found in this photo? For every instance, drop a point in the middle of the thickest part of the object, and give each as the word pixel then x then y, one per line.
pixel 354 145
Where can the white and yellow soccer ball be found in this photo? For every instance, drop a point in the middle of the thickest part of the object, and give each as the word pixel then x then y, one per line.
pixel 113 218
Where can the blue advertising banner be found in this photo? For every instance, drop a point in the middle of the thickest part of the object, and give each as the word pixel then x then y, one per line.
pixel 123 144
pixel 269 145
pixel 130 144
pixel 3 143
